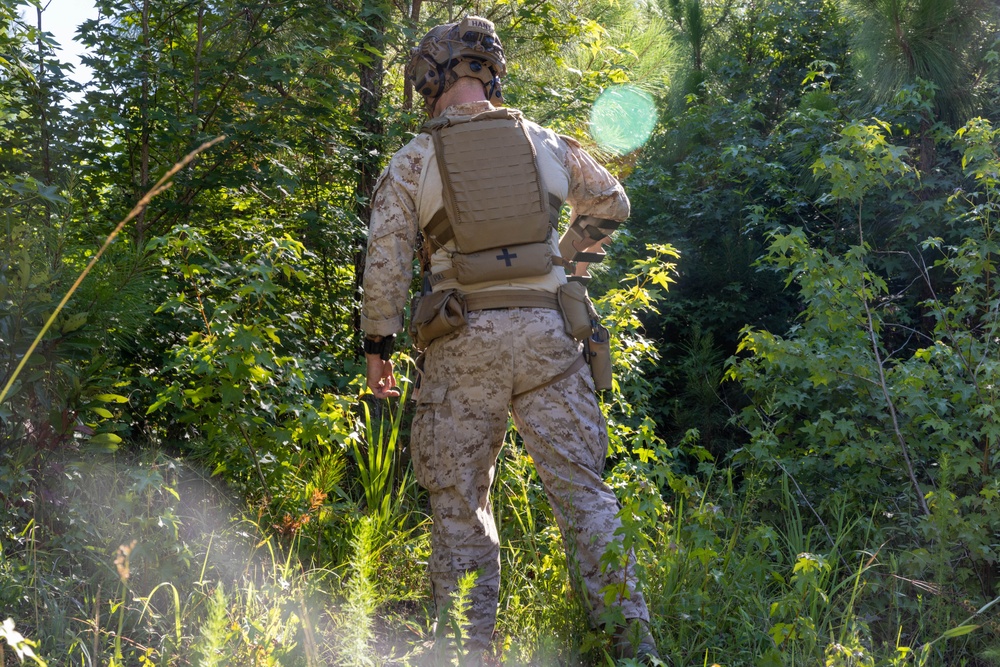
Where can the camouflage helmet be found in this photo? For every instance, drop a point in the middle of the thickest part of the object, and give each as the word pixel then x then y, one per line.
pixel 448 52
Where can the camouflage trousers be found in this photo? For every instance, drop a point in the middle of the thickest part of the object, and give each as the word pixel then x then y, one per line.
pixel 472 379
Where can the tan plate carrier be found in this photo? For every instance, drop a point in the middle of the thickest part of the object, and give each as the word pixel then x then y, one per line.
pixel 501 219
pixel 496 207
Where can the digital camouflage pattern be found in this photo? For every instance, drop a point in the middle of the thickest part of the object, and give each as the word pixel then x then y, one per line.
pixel 474 377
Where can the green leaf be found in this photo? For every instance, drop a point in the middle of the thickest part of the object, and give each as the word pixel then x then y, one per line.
pixel 111 398
pixel 959 631
pixel 231 394
pixel 74 322
pixel 106 441
pixel 780 632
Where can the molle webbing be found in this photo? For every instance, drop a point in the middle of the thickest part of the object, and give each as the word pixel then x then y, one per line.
pixel 439 227
pixel 492 189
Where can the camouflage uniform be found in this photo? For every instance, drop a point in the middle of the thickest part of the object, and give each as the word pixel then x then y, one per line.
pixel 475 375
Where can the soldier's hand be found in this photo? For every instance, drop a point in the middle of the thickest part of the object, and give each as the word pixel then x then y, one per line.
pixel 380 377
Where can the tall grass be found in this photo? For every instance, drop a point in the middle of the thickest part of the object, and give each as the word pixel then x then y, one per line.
pixel 211 647
pixel 378 454
pixel 727 582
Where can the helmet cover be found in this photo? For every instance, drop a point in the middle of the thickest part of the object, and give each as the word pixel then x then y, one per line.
pixel 448 52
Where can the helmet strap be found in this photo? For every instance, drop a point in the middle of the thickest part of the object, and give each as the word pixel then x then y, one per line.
pixel 447 76
pixel 493 92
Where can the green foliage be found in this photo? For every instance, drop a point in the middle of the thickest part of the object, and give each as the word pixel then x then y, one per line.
pixel 449 647
pixel 378 459
pixel 861 160
pixel 913 425
pixel 846 517
pixel 704 194
pixel 236 378
pixel 211 648
pixel 901 42
pixel 361 602
pixel 191 578
pixel 628 406
pixel 60 394
pixel 631 45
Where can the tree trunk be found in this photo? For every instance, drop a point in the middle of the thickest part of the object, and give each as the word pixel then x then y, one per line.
pixel 407 84
pixel 43 111
pixel 371 142
pixel 196 79
pixel 45 132
pixel 143 185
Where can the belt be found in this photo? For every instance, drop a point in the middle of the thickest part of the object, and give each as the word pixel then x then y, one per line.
pixel 513 298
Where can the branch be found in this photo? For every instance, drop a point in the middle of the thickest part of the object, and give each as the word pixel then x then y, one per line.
pixel 885 389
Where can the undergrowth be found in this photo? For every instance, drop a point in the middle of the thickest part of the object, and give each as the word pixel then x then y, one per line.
pixel 149 562
pixel 311 550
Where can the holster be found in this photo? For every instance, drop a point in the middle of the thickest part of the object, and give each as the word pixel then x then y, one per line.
pixel 581 321
pixel 597 349
pixel 435 314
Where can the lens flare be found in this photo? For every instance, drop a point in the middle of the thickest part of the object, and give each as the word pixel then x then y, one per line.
pixel 622 119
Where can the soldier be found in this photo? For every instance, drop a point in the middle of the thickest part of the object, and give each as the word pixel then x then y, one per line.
pixel 480 190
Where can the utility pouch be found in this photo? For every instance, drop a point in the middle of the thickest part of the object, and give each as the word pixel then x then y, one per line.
pixel 434 315
pixel 510 263
pixel 597 349
pixel 418 364
pixel 574 306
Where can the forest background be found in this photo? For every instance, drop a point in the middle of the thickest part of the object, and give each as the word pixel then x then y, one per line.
pixel 804 429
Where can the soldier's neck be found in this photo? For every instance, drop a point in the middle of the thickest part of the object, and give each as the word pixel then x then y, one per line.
pixel 464 91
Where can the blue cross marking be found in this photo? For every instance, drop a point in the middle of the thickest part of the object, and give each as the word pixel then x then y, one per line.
pixel 506 256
